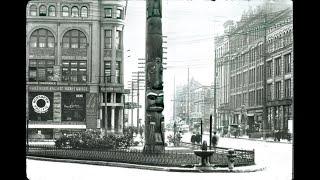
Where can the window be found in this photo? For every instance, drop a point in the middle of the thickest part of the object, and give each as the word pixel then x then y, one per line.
pixel 287 63
pixel 107 71
pixel 65 11
pixel 118 68
pixel 278 90
pixel 251 98
pixel 269 69
pixel 269 91
pixel 33 10
pixel 74 71
pixel 42 38
pixel 118 97
pixel 84 11
pixel 52 11
pixel 119 14
pixel 43 10
pixel 287 88
pixel 118 39
pixel 74 39
pixel 74 12
pixel 40 70
pixel 108 12
pixel 108 39
pixel 278 66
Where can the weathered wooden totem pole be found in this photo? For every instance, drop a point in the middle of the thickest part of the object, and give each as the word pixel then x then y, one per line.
pixel 154 120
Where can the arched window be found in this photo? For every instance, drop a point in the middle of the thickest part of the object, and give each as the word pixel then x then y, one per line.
pixel 52 11
pixel 84 11
pixel 33 10
pixel 65 11
pixel 42 38
pixel 74 12
pixel 43 10
pixel 74 39
pixel 74 70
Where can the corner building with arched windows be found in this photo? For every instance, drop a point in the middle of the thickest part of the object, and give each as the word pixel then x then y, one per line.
pixel 74 67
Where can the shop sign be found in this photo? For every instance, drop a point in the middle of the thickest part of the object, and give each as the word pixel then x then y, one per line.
pixel 59 88
pixel 42 109
pixel 57 106
pixel 91 110
pixel 40 106
pixel 112 89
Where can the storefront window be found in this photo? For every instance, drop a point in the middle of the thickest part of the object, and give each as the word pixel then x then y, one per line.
pixel 73 106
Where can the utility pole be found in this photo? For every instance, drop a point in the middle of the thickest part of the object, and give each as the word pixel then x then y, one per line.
pixel 131 103
pixel 138 80
pixel 174 98
pixel 188 101
pixel 214 97
pixel 138 93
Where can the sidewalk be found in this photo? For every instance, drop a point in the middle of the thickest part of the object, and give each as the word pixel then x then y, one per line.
pixel 260 139
pixel 241 169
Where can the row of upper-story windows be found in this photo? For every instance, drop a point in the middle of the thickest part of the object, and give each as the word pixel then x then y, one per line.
pixel 108 13
pixel 279 90
pixel 43 38
pixel 278 65
pixel 74 11
pixel 280 40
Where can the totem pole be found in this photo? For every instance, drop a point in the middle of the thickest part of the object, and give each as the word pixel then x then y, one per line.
pixel 154 120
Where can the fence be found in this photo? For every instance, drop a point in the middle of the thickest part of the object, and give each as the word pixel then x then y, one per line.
pixel 173 158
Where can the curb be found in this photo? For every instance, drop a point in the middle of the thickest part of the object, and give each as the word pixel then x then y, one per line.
pixel 241 169
pixel 251 139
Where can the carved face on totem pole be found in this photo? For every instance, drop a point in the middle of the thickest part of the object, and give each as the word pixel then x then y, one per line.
pixel 155 121
pixel 154 8
pixel 154 75
pixel 154 102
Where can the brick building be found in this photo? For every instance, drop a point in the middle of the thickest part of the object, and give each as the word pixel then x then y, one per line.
pixel 200 105
pixel 239 55
pixel 74 66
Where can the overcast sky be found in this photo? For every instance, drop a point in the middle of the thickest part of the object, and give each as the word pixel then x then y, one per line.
pixel 190 26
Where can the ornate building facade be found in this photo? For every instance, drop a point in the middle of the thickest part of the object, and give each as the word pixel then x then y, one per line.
pixel 263 35
pixel 74 66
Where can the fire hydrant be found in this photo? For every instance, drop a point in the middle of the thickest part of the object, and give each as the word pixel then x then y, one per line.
pixel 231 157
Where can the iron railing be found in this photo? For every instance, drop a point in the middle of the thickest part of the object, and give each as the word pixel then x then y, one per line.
pixel 175 158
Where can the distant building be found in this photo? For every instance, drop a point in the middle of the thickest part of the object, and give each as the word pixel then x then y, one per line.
pixel 200 105
pixel 239 56
pixel 74 66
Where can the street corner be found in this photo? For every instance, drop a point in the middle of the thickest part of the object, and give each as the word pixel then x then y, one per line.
pixel 239 169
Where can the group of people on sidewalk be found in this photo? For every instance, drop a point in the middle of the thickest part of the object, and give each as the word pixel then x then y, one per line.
pixel 197 139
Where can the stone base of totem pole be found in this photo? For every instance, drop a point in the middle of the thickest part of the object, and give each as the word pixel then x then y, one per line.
pixel 153 148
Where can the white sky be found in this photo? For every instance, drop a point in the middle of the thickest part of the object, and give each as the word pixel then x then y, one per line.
pixel 190 26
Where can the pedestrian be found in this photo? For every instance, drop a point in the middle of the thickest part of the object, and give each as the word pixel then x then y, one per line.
pixel 214 140
pixel 193 139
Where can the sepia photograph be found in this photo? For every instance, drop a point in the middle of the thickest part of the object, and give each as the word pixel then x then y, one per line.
pixel 159 89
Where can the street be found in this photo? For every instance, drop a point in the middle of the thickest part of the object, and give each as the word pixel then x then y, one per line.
pixel 277 157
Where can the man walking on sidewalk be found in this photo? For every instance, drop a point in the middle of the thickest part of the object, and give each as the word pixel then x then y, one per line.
pixel 214 140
